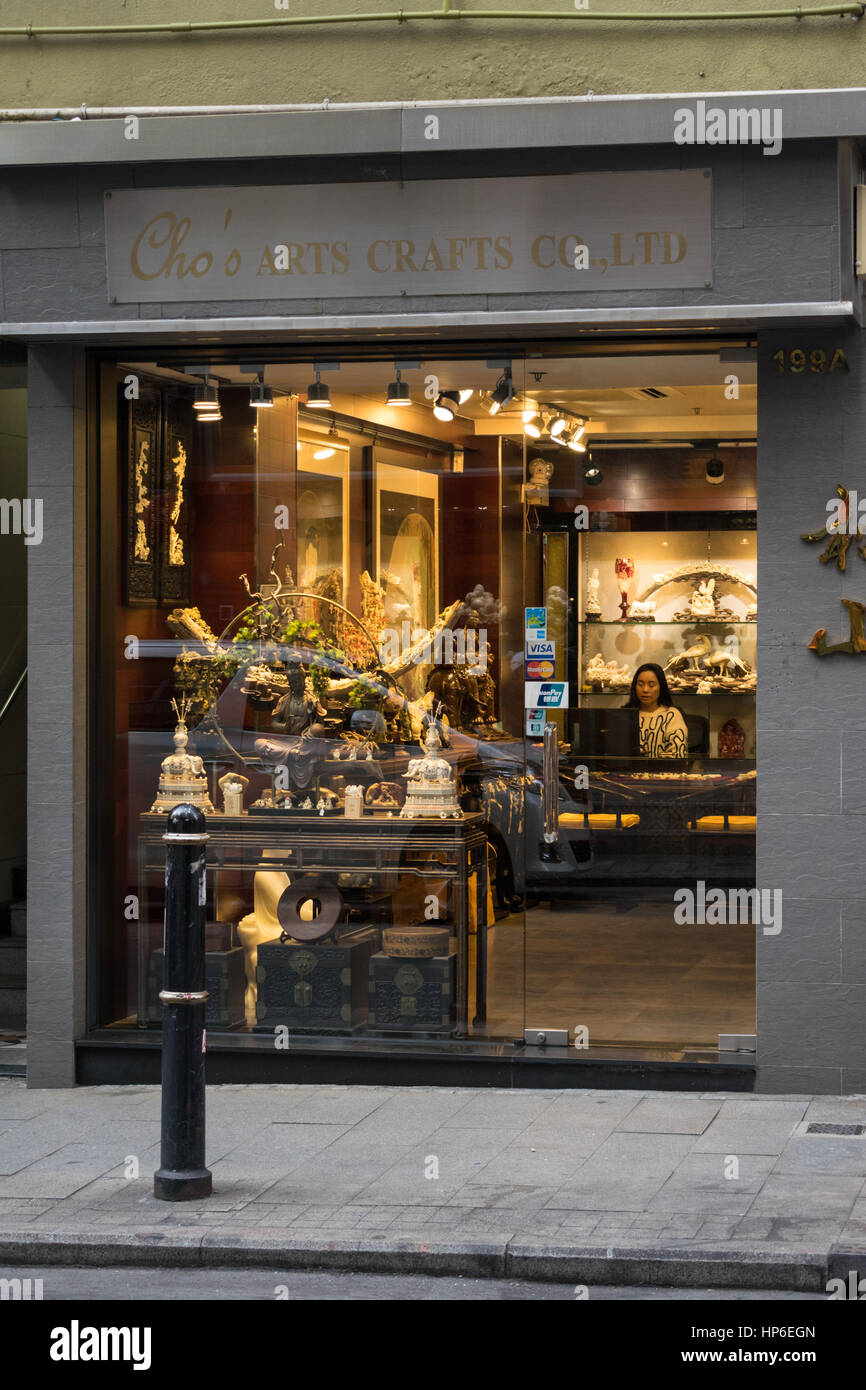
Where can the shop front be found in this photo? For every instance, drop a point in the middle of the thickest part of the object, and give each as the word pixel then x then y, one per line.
pixel 430 572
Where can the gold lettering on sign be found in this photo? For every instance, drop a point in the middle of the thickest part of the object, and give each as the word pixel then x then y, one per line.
pixel 165 230
pixel 372 257
pixel 537 252
pixel 175 544
pixel 142 502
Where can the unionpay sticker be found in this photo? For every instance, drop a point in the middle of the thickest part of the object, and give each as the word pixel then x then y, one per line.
pixel 546 695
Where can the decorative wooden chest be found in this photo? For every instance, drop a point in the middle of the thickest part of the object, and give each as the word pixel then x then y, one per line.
pixel 412 996
pixel 312 986
pixel 224 982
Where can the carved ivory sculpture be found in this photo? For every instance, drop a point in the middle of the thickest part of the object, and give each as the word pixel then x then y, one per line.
pixel 262 924
pixel 702 604
pixel 232 787
pixel 642 609
pixel 593 607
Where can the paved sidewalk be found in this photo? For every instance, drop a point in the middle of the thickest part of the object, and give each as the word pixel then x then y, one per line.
pixel 613 1186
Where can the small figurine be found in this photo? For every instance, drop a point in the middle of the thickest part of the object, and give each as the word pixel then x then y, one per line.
pixel 702 604
pixel 704 687
pixel 430 787
pixel 353 754
pixel 232 788
pixel 643 610
pixel 369 757
pixel 182 778
pixel 354 803
pixel 593 607
pixel 307 805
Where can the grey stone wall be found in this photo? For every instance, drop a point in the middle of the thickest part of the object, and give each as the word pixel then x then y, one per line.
pixel 811 727
pixel 13 643
pixel 56 714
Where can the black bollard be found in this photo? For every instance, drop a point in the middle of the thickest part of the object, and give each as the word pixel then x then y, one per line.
pixel 182 1176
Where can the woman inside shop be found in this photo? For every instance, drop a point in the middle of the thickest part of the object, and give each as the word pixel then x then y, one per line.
pixel 663 730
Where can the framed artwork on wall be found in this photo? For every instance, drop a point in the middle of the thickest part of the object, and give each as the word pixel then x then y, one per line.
pixel 406 542
pixel 174 508
pixel 156 541
pixel 323 516
pixel 141 541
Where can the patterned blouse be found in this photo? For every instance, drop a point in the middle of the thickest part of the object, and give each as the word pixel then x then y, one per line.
pixel 663 733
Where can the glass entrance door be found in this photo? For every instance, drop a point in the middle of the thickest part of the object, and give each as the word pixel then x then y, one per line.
pixel 641 611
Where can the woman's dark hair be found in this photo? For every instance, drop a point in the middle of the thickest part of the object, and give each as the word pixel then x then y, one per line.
pixel 664 689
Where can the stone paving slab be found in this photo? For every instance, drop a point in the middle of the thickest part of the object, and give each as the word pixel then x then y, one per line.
pixel 635 1186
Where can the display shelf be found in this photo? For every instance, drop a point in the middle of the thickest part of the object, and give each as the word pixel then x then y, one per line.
pixel 669 622
pixel 680 694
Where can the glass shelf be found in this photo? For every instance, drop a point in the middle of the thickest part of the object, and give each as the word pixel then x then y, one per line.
pixel 679 694
pixel 679 622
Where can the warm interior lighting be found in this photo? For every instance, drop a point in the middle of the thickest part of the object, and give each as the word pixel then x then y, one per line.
pixel 446 405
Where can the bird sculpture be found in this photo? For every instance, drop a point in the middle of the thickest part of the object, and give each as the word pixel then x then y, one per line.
pixel 725 661
pixel 691 656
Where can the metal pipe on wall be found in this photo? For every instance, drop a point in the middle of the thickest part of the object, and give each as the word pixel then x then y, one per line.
pixel 446 12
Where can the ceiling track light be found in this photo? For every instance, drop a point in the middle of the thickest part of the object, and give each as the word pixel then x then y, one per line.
pixel 592 474
pixel 261 396
pixel 207 395
pixel 503 392
pixel 715 469
pixel 534 426
pixel 447 403
pixel 559 424
pixel 466 394
pixel 398 391
pixel 318 395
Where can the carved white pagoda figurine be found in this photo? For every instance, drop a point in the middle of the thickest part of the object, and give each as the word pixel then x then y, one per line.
pixel 183 778
pixel 430 788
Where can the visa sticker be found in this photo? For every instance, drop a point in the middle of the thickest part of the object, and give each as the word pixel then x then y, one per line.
pixel 542 647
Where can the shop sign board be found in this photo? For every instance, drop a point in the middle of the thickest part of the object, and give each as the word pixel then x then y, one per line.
pixel 640 229
pixel 544 695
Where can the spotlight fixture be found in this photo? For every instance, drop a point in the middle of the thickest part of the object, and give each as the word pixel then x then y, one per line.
pixel 503 392
pixel 465 394
pixel 715 470
pixel 318 395
pixel 559 424
pixel 592 473
pixel 577 444
pixel 446 405
pixel 534 426
pixel 207 396
pixel 398 392
pixel 261 396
